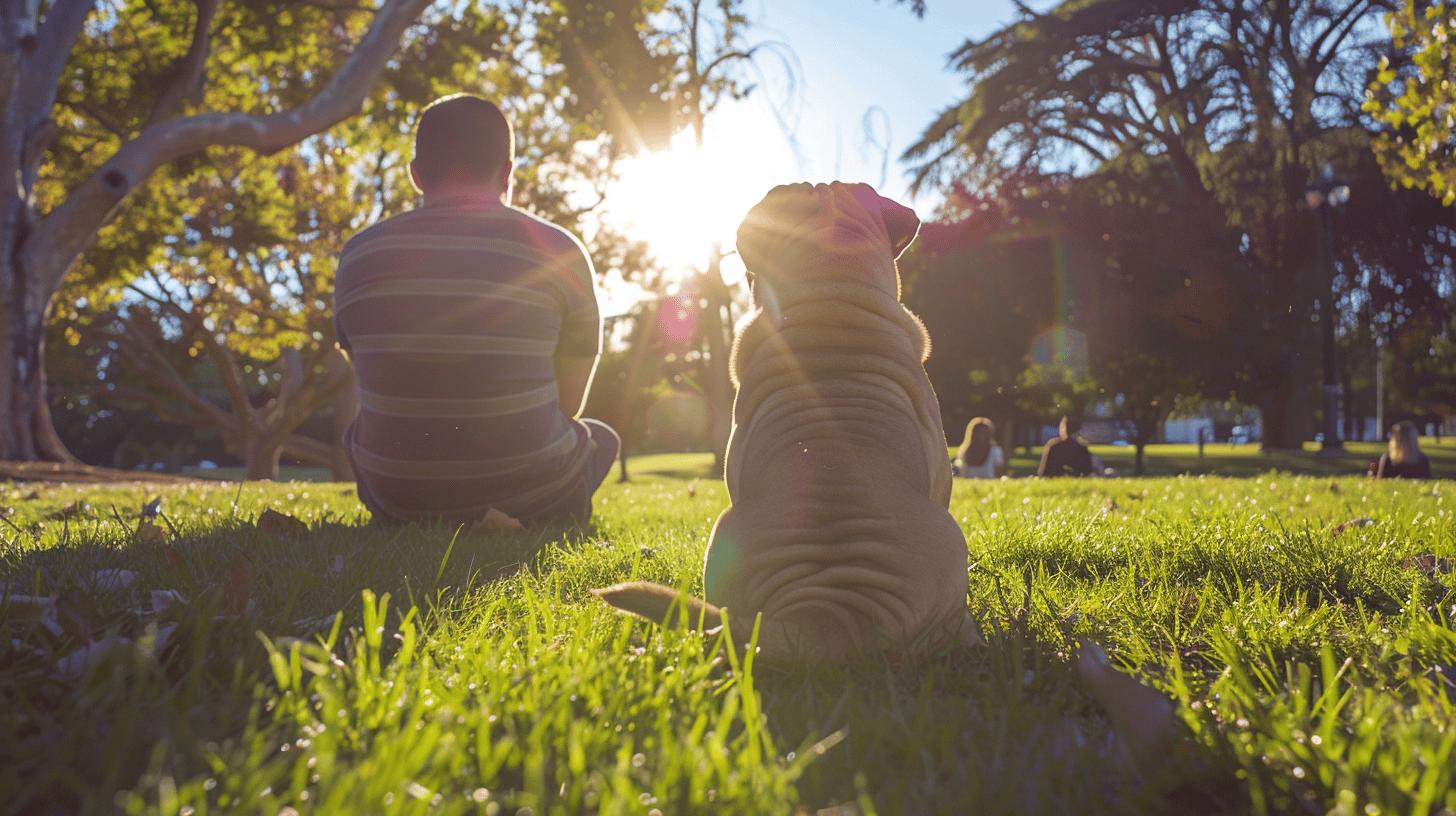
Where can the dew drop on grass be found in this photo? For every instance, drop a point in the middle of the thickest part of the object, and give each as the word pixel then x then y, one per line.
pixel 480 794
pixel 1298 772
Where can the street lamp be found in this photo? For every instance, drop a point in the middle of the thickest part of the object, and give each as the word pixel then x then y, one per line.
pixel 1326 195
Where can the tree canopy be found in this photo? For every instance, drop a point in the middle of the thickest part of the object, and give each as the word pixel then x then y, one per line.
pixel 1414 97
pixel 1242 100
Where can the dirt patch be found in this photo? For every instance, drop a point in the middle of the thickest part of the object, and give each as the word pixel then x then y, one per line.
pixel 76 472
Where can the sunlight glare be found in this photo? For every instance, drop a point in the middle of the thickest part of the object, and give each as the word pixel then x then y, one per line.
pixel 682 199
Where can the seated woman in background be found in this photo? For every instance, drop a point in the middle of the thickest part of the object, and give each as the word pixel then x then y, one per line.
pixel 1404 459
pixel 980 457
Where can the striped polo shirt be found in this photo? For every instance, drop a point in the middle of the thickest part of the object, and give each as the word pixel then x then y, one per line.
pixel 452 314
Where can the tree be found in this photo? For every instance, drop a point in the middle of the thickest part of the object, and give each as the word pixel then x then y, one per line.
pixel 994 290
pixel 48 221
pixel 711 36
pixel 1236 94
pixel 154 84
pixel 1414 98
pixel 246 293
pixel 1161 313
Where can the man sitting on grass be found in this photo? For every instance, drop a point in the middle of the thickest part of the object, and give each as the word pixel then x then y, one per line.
pixel 1066 455
pixel 474 330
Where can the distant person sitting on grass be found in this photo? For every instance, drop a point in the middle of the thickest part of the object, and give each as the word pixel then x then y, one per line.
pixel 1404 459
pixel 474 330
pixel 980 457
pixel 1066 455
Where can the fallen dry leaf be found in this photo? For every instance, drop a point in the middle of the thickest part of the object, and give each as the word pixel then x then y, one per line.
pixel 112 580
pixel 75 509
pixel 1445 677
pixel 1431 565
pixel 165 599
pixel 281 525
pixel 1147 729
pixel 149 532
pixel 78 615
pixel 1363 521
pixel 38 609
pixel 175 559
pixel 237 593
pixel 74 664
pixel 496 520
pixel 315 624
pixel 163 638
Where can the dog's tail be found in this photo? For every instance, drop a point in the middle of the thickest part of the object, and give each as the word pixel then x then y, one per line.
pixel 661 604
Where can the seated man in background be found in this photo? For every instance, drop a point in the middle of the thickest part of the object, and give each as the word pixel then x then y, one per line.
pixel 1066 455
pixel 474 330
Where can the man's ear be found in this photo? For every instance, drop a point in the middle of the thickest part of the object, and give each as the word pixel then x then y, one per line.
pixel 901 223
pixel 505 179
pixel 414 173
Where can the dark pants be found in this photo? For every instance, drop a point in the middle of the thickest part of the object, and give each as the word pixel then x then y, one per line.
pixel 575 507
pixel 606 445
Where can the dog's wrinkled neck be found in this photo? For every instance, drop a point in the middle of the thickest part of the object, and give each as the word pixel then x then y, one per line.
pixel 826 278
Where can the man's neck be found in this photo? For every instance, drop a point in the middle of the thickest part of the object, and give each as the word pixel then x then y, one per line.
pixel 482 197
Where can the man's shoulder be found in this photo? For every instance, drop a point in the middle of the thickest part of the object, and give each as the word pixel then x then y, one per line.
pixel 394 224
pixel 546 234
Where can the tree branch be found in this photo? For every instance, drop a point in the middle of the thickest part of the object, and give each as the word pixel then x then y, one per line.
pixel 227 370
pixel 152 365
pixel 53 43
pixel 63 235
pixel 188 71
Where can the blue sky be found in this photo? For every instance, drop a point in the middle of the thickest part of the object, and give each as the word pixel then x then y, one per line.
pixel 852 56
pixel 857 54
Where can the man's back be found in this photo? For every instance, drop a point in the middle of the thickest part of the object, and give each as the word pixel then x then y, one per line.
pixel 1065 456
pixel 453 314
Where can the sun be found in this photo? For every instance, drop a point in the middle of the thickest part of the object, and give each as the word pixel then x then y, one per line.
pixel 683 199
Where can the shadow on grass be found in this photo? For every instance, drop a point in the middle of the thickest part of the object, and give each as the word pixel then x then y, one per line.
pixel 178 628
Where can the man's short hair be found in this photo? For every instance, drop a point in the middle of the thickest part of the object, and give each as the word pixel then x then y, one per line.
pixel 1072 424
pixel 462 138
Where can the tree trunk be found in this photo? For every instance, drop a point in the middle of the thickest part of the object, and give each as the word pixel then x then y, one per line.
pixel 26 430
pixel 1286 416
pixel 1137 462
pixel 346 408
pixel 36 253
pixel 260 458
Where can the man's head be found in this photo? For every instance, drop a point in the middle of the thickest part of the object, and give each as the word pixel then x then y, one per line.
pixel 1070 425
pixel 463 144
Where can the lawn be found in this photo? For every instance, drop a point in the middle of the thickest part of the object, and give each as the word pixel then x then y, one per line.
pixel 474 673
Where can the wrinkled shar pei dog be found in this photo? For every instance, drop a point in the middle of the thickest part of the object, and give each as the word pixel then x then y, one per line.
pixel 838 533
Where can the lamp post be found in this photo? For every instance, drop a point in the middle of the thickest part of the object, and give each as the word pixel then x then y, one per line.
pixel 1324 196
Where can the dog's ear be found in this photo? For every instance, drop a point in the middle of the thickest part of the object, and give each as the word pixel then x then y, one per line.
pixel 901 222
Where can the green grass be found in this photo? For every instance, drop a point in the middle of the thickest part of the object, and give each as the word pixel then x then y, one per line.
pixel 1304 662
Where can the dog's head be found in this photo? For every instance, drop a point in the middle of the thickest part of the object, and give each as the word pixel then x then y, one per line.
pixel 835 231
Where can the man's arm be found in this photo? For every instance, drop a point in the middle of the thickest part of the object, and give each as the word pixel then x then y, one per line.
pixel 1046 455
pixel 580 345
pixel 573 382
